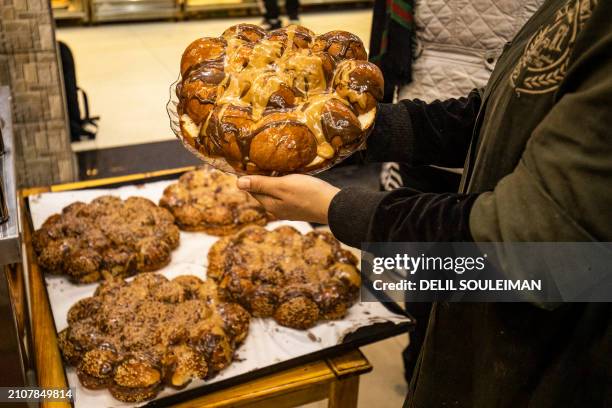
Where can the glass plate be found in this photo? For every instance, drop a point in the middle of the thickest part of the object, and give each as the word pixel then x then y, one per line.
pixel 220 162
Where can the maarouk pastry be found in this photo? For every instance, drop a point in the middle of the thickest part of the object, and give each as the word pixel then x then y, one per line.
pixel 108 236
pixel 298 279
pixel 136 337
pixel 208 200
pixel 280 102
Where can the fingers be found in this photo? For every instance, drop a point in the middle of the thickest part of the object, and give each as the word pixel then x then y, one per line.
pixel 271 204
pixel 257 184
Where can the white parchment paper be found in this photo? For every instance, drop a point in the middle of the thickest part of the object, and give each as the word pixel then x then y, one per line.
pixel 267 343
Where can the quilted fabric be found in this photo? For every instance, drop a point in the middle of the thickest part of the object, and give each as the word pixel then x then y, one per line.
pixel 435 79
pixel 458 42
pixel 481 24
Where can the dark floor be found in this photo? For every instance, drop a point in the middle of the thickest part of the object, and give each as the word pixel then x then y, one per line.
pixel 141 158
pixel 119 161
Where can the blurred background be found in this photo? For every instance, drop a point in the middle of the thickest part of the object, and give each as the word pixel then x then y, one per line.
pixel 126 68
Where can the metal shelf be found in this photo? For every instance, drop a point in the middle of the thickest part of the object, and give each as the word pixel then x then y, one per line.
pixel 10 246
pixel 118 10
pixel 75 10
pixel 219 5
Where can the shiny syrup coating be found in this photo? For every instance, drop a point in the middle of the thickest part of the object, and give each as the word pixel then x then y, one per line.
pixel 297 279
pixel 289 71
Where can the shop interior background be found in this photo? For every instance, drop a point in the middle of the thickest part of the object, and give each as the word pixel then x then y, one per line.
pixel 126 56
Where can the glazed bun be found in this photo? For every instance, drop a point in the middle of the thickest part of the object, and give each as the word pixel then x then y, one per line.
pixel 228 131
pixel 297 37
pixel 279 102
pixel 340 45
pixel 340 124
pixel 199 92
pixel 203 51
pixel 360 82
pixel 282 144
pixel 250 33
pixel 297 279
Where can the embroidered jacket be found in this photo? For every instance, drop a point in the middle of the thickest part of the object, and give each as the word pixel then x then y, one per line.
pixel 536 147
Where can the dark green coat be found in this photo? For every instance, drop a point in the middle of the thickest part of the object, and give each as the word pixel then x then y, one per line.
pixel 538 144
pixel 542 145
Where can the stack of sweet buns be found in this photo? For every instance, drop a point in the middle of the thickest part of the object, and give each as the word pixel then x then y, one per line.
pixel 286 101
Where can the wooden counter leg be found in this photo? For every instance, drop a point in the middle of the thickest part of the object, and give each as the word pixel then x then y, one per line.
pixel 343 393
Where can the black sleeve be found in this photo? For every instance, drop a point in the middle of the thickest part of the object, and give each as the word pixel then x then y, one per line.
pixel 359 215
pixel 415 132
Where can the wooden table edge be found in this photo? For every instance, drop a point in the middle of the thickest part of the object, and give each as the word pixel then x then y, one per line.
pixel 47 359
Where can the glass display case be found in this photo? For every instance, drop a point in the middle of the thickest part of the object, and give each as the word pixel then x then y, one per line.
pixel 13 301
pixel 70 10
pixel 117 10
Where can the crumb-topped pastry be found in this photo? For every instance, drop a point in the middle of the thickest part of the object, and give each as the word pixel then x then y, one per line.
pixel 298 279
pixel 135 337
pixel 208 200
pixel 279 102
pixel 108 236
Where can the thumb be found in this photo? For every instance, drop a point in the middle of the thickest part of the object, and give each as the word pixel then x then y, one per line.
pixel 254 184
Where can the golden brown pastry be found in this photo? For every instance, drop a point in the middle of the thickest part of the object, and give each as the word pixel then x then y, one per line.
pixel 203 51
pixel 341 45
pixel 360 82
pixel 283 144
pixel 229 129
pixel 136 337
pixel 286 101
pixel 296 36
pixel 208 200
pixel 298 279
pixel 108 236
pixel 246 32
pixel 198 92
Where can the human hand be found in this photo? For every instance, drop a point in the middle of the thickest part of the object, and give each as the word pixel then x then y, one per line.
pixel 292 197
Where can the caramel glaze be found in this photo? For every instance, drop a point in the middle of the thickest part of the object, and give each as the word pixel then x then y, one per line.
pixel 135 337
pixel 108 236
pixel 208 200
pixel 298 279
pixel 289 71
pixel 341 45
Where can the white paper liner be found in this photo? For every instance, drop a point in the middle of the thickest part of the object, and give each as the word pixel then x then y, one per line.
pixel 267 343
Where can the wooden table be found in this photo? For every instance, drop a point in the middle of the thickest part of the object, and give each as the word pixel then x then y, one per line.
pixel 336 379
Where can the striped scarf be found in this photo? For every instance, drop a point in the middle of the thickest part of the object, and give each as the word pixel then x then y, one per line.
pixel 391 42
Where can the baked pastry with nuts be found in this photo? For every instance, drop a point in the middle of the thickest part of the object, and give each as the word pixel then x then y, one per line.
pixel 286 101
pixel 298 279
pixel 108 236
pixel 136 337
pixel 208 200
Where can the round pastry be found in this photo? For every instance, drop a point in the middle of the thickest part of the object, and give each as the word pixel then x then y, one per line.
pixel 293 36
pixel 282 144
pixel 135 337
pixel 227 131
pixel 208 200
pixel 286 101
pixel 298 279
pixel 359 82
pixel 107 237
pixel 137 378
pixel 340 123
pixel 203 51
pixel 341 45
pixel 96 367
pixel 199 92
pixel 246 32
